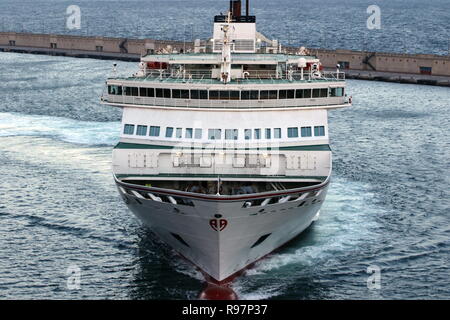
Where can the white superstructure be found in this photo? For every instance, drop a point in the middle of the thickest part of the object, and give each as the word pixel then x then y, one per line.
pixel 224 153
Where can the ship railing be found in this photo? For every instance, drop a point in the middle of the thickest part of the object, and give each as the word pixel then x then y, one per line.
pixel 225 104
pixel 263 76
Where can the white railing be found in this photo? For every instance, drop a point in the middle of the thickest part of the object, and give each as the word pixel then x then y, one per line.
pixel 225 104
pixel 248 76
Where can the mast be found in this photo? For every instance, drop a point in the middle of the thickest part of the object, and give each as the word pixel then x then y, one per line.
pixel 226 51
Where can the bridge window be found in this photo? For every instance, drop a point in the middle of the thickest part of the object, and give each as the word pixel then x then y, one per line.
pixel 231 134
pixel 319 131
pixel 180 94
pixel 303 93
pixel 128 129
pixel 268 94
pixel 320 93
pixel 154 131
pixel 287 94
pixel 116 90
pixel 163 93
pixel 189 133
pixel 198 133
pixel 336 92
pixel 306 132
pixel 268 133
pixel 131 91
pixel 199 94
pixel 150 92
pixel 292 132
pixel 214 95
pixel 141 130
pixel 277 133
pixel 250 95
pixel 248 134
pixel 214 134
pixel 169 132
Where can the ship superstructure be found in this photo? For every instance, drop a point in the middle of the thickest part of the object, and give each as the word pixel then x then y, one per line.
pixel 224 152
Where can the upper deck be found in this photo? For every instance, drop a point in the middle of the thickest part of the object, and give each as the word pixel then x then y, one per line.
pixel 238 68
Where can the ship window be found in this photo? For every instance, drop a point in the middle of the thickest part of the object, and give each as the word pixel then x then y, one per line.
pixel 214 134
pixel 319 131
pixel 306 132
pixel 245 95
pixel 258 134
pixel 264 95
pixel 176 93
pixel 324 93
pixel 184 94
pixel 254 95
pixel 292 132
pixel 141 130
pixel 151 92
pixel 129 129
pixel 159 93
pixel 231 134
pixel 169 132
pixel 268 133
pixel 134 91
pixel 336 92
pixel 277 133
pixel 213 95
pixel 188 133
pixel 299 93
pixel 166 93
pixel 199 94
pixel 116 90
pixel 273 94
pixel 268 94
pixel 316 93
pixel 179 133
pixel 248 134
pixel 143 92
pixel 234 95
pixel 127 91
pixel 224 95
pixel 261 240
pixel 307 93
pixel 287 94
pixel 198 133
pixel 154 131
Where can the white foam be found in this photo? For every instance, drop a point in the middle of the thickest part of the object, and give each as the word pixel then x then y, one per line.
pixel 346 220
pixel 69 130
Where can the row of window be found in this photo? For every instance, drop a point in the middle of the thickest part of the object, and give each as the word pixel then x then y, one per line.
pixel 226 95
pixel 230 134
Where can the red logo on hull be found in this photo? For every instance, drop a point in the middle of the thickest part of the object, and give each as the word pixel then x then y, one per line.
pixel 218 224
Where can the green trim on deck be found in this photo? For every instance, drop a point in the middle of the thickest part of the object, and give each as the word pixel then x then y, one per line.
pixel 125 145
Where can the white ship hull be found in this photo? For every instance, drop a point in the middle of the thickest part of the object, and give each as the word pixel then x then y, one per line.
pixel 221 249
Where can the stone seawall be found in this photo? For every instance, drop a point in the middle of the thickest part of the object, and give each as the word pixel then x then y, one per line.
pixel 405 68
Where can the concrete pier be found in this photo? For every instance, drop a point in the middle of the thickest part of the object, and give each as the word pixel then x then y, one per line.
pixel 392 67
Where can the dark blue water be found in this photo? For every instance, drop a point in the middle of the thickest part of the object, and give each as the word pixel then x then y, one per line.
pixel 407 26
pixel 388 204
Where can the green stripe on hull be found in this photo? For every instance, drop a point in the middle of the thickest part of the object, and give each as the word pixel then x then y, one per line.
pixel 124 145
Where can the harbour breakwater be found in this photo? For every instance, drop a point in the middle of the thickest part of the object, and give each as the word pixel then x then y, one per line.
pixel 393 67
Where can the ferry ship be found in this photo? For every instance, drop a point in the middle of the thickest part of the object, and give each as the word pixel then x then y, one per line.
pixel 224 151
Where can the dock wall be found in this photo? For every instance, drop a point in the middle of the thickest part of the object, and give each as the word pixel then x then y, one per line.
pixel 410 68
